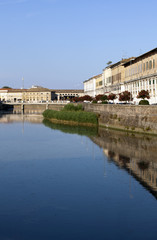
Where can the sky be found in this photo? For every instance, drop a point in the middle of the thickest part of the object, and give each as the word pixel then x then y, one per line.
pixel 58 44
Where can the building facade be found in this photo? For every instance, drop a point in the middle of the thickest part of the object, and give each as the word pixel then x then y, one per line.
pixel 99 84
pixel 66 94
pixel 90 86
pixel 141 74
pixel 133 74
pixel 36 94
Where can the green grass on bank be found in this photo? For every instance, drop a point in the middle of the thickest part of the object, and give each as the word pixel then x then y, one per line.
pixel 76 116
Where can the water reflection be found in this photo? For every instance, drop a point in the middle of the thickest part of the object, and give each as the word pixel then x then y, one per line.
pixel 53 186
pixel 80 130
pixel 10 118
pixel 135 153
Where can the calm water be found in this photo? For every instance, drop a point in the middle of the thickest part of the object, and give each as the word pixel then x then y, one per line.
pixel 62 183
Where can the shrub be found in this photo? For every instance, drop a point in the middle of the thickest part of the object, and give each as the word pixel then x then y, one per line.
pixel 144 102
pixel 72 107
pixel 105 102
pixel 94 101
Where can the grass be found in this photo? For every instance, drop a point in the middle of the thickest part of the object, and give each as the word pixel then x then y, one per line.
pixel 75 116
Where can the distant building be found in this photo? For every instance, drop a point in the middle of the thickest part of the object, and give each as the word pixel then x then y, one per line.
pixel 66 94
pixel 11 95
pixel 38 94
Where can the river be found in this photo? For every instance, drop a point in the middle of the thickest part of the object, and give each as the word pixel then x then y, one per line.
pixel 59 182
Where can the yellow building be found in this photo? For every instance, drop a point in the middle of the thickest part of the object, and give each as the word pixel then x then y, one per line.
pixel 36 94
pixel 99 84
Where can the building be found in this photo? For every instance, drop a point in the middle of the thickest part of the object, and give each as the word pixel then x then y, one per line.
pixel 11 95
pixel 114 76
pixel 36 94
pixel 133 74
pixel 99 88
pixel 66 94
pixel 141 74
pixel 90 86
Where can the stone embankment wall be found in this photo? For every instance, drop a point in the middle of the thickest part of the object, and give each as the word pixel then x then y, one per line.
pixel 38 108
pixel 126 117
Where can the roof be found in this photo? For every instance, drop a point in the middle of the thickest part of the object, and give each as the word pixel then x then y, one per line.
pixel 141 57
pixel 96 76
pixel 121 62
pixel 26 90
pixel 38 89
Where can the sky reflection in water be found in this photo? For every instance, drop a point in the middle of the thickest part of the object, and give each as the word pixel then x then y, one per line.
pixel 60 185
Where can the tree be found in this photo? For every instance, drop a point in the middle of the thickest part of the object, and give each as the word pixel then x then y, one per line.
pixel 125 96
pixel 6 87
pixel 104 98
pixel 143 94
pixel 109 62
pixel 112 96
pixel 98 97
pixel 101 97
pixel 84 98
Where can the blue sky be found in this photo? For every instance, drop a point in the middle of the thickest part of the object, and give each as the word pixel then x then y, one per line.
pixel 60 43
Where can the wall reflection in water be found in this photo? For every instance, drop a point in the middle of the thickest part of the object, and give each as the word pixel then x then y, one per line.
pixel 135 153
pixel 32 118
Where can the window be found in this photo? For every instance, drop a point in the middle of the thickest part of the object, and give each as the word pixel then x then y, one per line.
pixel 150 64
pixel 153 63
pixel 143 67
pixel 146 65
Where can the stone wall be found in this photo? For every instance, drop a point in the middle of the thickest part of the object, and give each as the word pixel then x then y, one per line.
pixel 36 108
pixel 126 117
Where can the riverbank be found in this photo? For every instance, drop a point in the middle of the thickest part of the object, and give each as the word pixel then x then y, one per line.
pixel 74 117
pixel 131 118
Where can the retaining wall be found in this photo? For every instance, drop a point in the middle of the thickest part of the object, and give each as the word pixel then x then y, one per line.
pixel 126 117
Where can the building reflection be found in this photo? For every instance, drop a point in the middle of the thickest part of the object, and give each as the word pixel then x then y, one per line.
pixel 137 154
